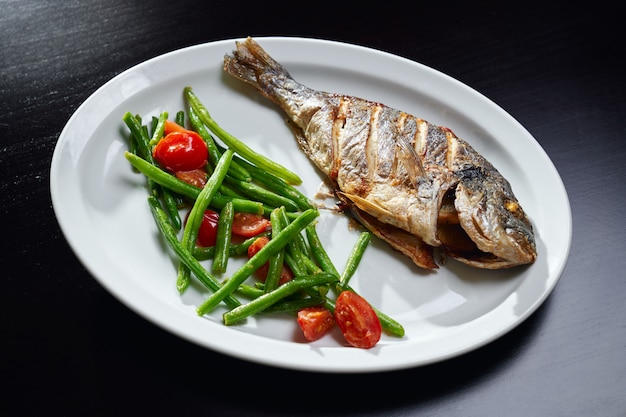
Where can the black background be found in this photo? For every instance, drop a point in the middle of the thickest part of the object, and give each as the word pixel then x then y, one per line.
pixel 70 348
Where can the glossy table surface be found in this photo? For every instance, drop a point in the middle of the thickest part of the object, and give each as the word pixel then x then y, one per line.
pixel 70 348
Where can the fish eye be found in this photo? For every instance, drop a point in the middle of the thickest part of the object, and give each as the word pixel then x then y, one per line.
pixel 512 206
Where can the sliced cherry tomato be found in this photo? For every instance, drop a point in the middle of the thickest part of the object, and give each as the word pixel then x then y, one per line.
pixel 207 233
pixel 181 151
pixel 257 245
pixel 249 224
pixel 171 126
pixel 196 177
pixel 357 320
pixel 315 322
pixel 261 273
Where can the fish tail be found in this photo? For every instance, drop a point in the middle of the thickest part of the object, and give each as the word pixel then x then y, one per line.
pixel 251 64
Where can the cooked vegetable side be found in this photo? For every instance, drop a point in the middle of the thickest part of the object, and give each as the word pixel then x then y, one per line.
pixel 236 203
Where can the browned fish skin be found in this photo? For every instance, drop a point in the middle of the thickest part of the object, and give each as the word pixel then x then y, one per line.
pixel 395 169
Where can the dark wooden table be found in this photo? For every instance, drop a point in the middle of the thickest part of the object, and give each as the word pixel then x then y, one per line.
pixel 70 348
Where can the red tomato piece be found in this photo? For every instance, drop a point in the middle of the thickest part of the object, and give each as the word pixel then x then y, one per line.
pixel 261 273
pixel 207 233
pixel 257 245
pixel 249 224
pixel 357 320
pixel 315 322
pixel 171 126
pixel 196 177
pixel 181 151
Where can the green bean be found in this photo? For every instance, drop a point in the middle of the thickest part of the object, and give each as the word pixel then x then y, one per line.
pixel 354 259
pixel 172 208
pixel 227 190
pixel 389 325
pixel 249 291
pixel 299 263
pixel 159 176
pixel 145 133
pixel 153 125
pixel 273 183
pixel 301 242
pixel 180 118
pixel 136 129
pixel 169 181
pixel 267 299
pixel 258 193
pixel 236 170
pixel 256 261
pixel 237 249
pixel 183 254
pixel 241 205
pixel 276 184
pixel 222 242
pixel 309 264
pixel 145 145
pixel 292 306
pixel 241 148
pixel 318 250
pixel 190 232
pixel 142 140
pixel 133 147
pixel 170 201
pixel 199 128
pixel 293 249
pixel 296 267
pixel 157 131
pixel 276 261
pixel 292 259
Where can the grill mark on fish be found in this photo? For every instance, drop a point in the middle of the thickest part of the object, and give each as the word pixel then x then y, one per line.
pixel 414 184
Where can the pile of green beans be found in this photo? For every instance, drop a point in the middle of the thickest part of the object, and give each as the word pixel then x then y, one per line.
pixel 241 180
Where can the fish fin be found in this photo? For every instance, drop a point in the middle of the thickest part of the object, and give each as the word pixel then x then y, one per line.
pixel 365 205
pixel 251 64
pixel 411 161
pixel 400 240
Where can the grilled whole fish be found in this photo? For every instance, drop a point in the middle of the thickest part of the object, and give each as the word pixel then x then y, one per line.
pixel 413 184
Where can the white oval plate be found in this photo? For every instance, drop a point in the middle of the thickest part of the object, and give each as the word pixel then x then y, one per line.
pixel 101 206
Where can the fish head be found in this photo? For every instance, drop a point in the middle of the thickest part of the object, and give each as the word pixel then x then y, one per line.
pixel 499 231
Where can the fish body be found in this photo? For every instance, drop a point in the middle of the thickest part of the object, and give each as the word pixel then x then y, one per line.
pixel 413 184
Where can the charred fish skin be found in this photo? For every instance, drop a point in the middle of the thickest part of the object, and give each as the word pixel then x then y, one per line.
pixel 394 171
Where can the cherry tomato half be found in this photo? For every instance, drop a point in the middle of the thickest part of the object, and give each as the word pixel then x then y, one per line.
pixel 207 233
pixel 181 151
pixel 261 274
pixel 171 126
pixel 315 322
pixel 357 320
pixel 257 245
pixel 196 177
pixel 249 224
